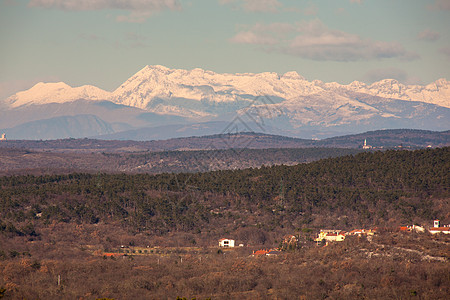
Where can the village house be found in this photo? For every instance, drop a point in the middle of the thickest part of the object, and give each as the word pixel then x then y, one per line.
pixel 411 228
pixel 260 252
pixel 273 253
pixel 332 235
pixel 266 252
pixel 226 243
pixel 361 232
pixel 437 228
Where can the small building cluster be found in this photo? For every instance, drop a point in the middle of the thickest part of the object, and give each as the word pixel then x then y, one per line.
pixel 365 146
pixel 437 228
pixel 336 235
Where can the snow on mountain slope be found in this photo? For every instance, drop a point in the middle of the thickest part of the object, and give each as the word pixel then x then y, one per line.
pixel 161 84
pixel 58 92
pixel 200 93
pixel 437 92
pixel 158 82
pixel 289 101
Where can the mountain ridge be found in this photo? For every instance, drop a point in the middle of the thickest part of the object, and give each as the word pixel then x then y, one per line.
pixel 391 138
pixel 285 104
pixel 250 83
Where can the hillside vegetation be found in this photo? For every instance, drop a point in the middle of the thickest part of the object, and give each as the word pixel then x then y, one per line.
pixel 56 229
pixel 363 190
pixel 19 161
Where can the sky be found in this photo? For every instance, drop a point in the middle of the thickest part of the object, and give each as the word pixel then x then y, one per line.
pixel 104 42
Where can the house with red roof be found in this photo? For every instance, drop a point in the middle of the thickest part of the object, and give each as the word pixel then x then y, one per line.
pixel 437 228
pixel 331 235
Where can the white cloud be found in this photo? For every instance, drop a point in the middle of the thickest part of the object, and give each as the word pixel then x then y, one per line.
pixel 139 10
pixel 249 37
pixel 428 35
pixel 313 40
pixel 255 5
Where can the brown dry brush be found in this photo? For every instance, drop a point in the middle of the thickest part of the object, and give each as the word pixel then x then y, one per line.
pixel 338 271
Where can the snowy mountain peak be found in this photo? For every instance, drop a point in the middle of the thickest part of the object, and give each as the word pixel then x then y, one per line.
pixel 199 92
pixel 56 92
pixel 290 102
pixel 357 85
pixel 293 75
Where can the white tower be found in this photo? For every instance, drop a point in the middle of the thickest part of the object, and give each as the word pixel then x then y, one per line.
pixel 3 138
pixel 365 146
pixel 437 223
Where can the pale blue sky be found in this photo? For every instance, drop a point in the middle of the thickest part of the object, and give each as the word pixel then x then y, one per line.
pixel 104 42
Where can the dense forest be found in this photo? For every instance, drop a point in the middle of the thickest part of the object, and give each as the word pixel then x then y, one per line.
pixel 368 189
pixel 54 230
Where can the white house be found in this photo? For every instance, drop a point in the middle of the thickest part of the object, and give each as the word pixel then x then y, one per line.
pixel 333 235
pixel 227 243
pixel 438 229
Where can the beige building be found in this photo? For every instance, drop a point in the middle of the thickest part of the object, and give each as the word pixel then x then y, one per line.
pixel 226 243
pixel 331 236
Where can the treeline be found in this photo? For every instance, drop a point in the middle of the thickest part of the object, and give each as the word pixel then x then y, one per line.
pixel 367 189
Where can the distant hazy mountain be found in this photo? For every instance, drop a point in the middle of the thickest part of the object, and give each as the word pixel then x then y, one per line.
pixel 61 127
pixel 250 140
pixel 284 104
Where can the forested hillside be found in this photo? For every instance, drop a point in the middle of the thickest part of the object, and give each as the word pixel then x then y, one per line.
pixel 56 232
pixel 389 138
pixel 368 189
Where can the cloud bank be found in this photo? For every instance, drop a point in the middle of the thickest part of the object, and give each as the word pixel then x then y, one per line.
pixel 139 10
pixel 315 41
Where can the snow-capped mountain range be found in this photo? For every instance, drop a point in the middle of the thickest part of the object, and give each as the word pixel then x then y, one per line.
pixel 284 104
